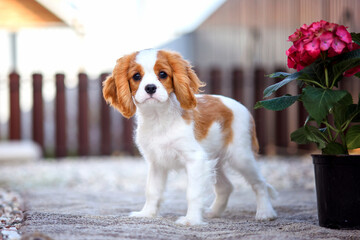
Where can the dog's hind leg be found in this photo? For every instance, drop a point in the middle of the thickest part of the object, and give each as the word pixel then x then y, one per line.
pixel 245 163
pixel 223 189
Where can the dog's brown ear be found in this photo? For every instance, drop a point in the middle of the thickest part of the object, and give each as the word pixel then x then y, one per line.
pixel 186 83
pixel 116 88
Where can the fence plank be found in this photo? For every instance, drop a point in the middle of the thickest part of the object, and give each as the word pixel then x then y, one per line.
pixel 282 136
pixel 260 114
pixel 268 132
pixel 15 122
pixel 105 121
pixel 237 82
pixel 128 140
pixel 38 114
pixel 83 136
pixel 60 149
pixel 215 81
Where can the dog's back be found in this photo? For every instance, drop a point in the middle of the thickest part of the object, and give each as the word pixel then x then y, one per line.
pixel 222 125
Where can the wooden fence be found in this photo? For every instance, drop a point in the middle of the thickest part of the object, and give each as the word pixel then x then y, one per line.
pixel 273 128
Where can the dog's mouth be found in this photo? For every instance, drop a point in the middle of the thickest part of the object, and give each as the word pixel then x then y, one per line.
pixel 151 100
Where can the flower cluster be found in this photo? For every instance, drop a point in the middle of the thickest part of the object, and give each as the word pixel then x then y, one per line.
pixel 319 39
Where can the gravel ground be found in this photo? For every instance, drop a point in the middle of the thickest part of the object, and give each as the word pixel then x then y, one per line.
pixel 91 198
pixel 11 214
pixel 129 173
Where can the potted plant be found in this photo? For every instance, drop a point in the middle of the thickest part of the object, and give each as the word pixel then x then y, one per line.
pixel 323 54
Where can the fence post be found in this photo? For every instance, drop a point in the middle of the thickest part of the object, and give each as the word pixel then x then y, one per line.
pixel 260 114
pixel 15 123
pixel 61 150
pixel 105 121
pixel 128 129
pixel 237 78
pixel 349 85
pixel 37 114
pixel 83 136
pixel 215 81
pixel 281 120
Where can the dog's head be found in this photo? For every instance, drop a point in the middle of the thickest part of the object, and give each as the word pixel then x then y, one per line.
pixel 149 77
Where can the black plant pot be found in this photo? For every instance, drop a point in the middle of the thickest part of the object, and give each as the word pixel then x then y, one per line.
pixel 337 180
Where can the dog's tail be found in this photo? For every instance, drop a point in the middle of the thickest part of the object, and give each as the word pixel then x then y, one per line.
pixel 272 192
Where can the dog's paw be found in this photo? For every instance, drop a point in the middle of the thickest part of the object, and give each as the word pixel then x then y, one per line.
pixel 210 213
pixel 142 214
pixel 189 221
pixel 266 214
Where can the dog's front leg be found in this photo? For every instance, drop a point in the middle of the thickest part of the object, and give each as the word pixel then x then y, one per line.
pixel 155 186
pixel 199 177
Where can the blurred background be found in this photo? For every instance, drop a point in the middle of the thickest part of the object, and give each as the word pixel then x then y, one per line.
pixel 54 54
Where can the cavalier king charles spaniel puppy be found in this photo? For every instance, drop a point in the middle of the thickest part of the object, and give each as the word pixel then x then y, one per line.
pixel 178 128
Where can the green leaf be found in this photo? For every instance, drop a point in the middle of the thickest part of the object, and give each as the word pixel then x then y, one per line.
pixel 309 134
pixel 347 99
pixel 342 110
pixel 300 136
pixel 277 104
pixel 273 88
pixel 353 137
pixel 279 75
pixel 357 75
pixel 334 148
pixel 313 72
pixel 345 62
pixel 355 37
pixel 353 113
pixel 318 101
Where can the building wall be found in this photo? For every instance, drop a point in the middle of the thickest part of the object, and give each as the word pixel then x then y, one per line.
pixel 252 32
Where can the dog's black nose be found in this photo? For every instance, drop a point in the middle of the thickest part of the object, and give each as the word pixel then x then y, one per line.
pixel 150 88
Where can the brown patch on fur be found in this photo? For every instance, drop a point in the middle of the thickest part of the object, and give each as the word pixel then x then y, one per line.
pixel 254 140
pixel 133 69
pixel 209 110
pixel 118 89
pixel 185 82
pixel 162 64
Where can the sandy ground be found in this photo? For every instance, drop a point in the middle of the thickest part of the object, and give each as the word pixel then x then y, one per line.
pixel 91 199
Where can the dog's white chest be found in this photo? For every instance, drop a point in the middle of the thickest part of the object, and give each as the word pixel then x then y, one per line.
pixel 165 144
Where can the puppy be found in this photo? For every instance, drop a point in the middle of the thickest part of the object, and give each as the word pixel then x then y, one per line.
pixel 177 128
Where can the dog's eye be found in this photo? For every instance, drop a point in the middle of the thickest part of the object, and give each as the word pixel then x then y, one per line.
pixel 162 75
pixel 137 77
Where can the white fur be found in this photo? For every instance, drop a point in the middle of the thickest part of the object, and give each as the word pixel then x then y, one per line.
pixel 168 142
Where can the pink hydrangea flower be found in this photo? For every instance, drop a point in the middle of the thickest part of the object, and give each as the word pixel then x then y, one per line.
pixel 311 42
pixel 325 41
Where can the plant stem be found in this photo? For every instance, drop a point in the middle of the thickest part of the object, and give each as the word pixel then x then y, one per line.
pixel 329 126
pixel 313 82
pixel 328 129
pixel 326 77
pixel 343 128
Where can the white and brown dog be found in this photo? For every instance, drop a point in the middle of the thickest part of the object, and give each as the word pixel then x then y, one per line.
pixel 176 128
